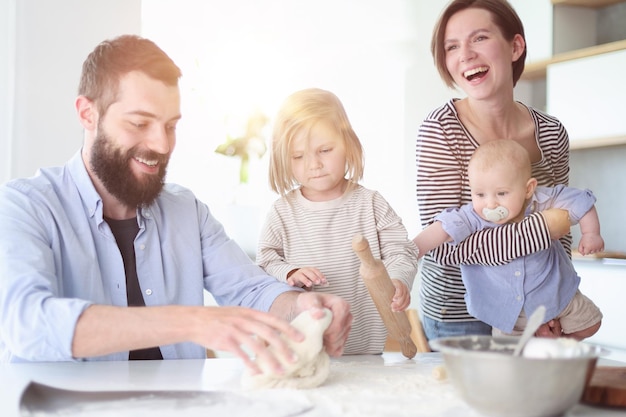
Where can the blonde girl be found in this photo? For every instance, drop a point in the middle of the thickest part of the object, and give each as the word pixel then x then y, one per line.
pixel 316 163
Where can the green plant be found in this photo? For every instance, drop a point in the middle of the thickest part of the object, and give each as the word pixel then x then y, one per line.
pixel 250 143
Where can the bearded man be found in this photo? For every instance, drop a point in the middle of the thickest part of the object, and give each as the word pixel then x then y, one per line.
pixel 100 259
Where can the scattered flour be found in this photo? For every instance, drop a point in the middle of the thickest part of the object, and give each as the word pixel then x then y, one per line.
pixel 363 387
pixel 357 389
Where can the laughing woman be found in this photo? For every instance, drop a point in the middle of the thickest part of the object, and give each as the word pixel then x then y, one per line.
pixel 479 47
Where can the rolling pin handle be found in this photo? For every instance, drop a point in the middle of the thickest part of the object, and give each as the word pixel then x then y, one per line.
pixel 381 289
pixel 359 243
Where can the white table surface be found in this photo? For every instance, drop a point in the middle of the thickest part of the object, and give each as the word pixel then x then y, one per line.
pixel 357 386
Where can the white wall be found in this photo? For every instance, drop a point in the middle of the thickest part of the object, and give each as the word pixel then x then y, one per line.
pixel 237 55
pixel 7 74
pixel 44 44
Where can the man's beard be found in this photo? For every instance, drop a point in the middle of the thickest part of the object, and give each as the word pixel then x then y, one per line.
pixel 112 167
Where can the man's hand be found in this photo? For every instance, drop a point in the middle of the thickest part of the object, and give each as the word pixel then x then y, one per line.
pixel 244 331
pixel 337 333
pixel 102 330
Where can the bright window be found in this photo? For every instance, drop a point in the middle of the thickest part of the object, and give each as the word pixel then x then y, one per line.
pixel 240 56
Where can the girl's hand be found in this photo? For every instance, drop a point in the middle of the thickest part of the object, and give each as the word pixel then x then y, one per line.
pixel 402 297
pixel 306 278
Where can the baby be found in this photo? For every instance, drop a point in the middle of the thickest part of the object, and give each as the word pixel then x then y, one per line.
pixel 504 191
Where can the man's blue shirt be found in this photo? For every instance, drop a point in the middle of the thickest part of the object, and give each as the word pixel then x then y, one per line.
pixel 58 256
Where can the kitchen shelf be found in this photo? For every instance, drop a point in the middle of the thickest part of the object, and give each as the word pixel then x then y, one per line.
pixel 597 142
pixel 537 70
pixel 596 4
pixel 574 28
pixel 576 256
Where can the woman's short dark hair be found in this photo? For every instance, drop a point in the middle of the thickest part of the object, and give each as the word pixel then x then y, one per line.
pixel 504 17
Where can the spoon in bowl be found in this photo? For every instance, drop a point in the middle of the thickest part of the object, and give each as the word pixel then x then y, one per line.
pixel 534 321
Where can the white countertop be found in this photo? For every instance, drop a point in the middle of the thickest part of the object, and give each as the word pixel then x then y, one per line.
pixel 357 386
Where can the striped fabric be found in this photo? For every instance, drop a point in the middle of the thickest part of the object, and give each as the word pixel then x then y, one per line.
pixel 444 148
pixel 301 233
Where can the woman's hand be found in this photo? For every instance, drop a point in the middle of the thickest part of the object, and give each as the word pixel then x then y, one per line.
pixel 558 222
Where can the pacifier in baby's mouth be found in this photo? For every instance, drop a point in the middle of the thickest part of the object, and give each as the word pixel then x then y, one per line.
pixel 496 214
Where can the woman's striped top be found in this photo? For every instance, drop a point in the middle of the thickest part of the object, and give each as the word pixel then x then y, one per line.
pixel 444 148
pixel 301 233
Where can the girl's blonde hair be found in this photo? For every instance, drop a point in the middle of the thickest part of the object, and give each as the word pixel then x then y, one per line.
pixel 298 114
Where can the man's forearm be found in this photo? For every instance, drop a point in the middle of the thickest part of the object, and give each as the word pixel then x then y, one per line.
pixel 102 330
pixel 285 305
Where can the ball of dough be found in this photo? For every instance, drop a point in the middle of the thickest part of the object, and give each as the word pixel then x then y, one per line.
pixel 543 348
pixel 313 364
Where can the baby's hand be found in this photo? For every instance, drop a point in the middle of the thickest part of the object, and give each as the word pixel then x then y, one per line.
pixel 306 278
pixel 402 296
pixel 550 329
pixel 590 243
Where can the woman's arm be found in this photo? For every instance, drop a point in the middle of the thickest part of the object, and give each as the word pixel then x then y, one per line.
pixel 442 183
pixel 442 156
pixel 532 234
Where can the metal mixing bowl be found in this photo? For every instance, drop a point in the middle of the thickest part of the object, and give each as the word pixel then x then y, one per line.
pixel 494 382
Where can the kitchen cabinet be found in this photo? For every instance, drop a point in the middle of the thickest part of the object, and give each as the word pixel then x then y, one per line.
pixel 581 82
pixel 602 280
pixel 584 70
pixel 587 95
pixel 587 3
pixel 601 169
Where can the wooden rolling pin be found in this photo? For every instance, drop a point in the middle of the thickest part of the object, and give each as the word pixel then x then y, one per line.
pixel 381 290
